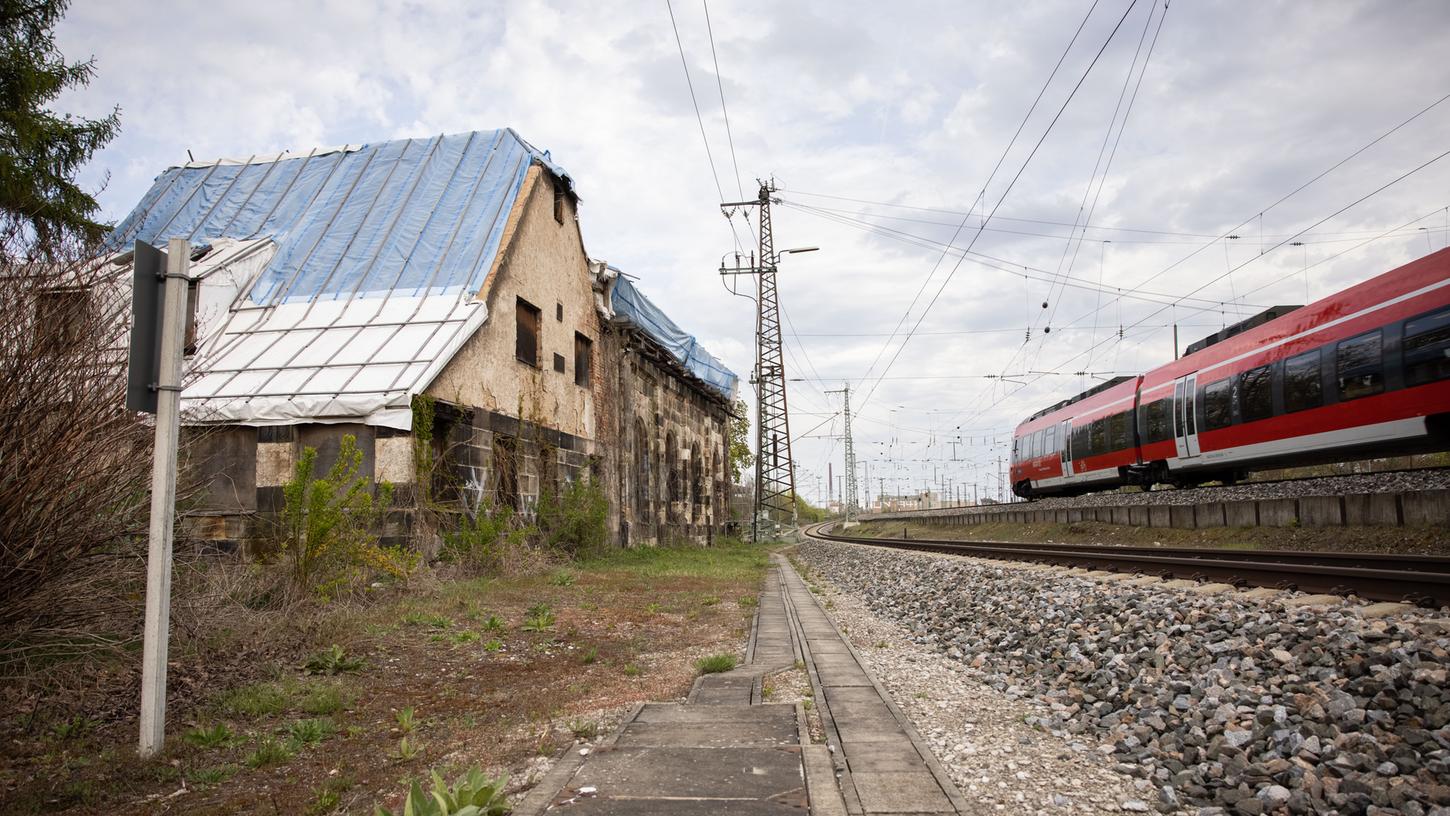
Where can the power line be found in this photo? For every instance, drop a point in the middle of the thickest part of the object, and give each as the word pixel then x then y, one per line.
pixel 691 85
pixel 982 194
pixel 1005 193
pixel 730 138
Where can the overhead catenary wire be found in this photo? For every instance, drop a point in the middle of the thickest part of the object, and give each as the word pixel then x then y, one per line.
pixel 947 279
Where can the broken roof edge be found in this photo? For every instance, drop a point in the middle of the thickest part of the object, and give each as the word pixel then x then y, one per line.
pixel 628 304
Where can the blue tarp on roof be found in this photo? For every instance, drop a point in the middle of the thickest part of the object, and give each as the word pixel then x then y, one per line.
pixel 631 304
pixel 413 216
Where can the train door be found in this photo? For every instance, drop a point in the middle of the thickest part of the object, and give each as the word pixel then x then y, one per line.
pixel 1064 444
pixel 1185 424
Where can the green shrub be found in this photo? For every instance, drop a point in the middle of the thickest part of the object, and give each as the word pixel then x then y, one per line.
pixel 574 521
pixel 472 794
pixel 715 664
pixel 332 660
pixel 483 538
pixel 329 526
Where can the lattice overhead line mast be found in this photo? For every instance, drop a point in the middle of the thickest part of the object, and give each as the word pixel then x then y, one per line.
pixel 774 467
pixel 853 504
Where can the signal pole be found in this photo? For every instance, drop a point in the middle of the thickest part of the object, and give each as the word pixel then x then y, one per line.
pixel 852 502
pixel 774 467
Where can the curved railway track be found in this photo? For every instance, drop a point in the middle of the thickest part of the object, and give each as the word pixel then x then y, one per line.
pixel 1419 579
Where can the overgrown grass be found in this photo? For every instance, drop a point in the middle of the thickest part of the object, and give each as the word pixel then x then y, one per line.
pixel 714 664
pixel 728 560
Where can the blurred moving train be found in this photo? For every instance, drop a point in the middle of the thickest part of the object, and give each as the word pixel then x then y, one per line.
pixel 1362 373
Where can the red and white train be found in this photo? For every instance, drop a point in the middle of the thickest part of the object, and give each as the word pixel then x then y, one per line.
pixel 1362 373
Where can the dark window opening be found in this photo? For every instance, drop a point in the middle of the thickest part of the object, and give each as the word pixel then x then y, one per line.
pixel 641 472
pixel 1256 395
pixel 1218 405
pixel 1303 384
pixel 583 360
pixel 61 317
pixel 1427 348
pixel 559 200
pixel 1360 366
pixel 559 363
pixel 506 472
pixel 527 345
pixel 559 312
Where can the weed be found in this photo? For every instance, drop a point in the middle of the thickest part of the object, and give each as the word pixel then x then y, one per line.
pixel 466 636
pixel 322 700
pixel 748 602
pixel 432 621
pixel 830 604
pixel 494 645
pixel 767 691
pixel 408 750
pixel 329 796
pixel 269 752
pixel 564 578
pixel 652 608
pixel 881 644
pixel 493 624
pixel 590 656
pixel 311 732
pixel 473 794
pixel 406 720
pixel 710 600
pixel 631 670
pixel 218 736
pixel 584 729
pixel 255 700
pixel 355 731
pixel 715 664
pixel 808 704
pixel 800 665
pixel 540 618
pixel 332 660
pixel 72 728
pixel 214 775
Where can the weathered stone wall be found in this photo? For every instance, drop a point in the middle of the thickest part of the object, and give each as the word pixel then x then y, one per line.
pixel 668 456
pixel 543 262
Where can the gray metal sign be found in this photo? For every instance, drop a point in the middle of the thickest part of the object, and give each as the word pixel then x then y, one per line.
pixel 147 294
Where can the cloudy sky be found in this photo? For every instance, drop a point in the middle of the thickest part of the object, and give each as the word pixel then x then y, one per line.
pixel 1162 130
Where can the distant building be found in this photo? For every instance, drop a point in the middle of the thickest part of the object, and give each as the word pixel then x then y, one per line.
pixel 432 298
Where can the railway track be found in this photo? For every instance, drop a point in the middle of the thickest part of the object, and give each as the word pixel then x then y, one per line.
pixel 1419 579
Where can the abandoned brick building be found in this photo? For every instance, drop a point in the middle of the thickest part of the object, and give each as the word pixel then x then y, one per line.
pixel 433 299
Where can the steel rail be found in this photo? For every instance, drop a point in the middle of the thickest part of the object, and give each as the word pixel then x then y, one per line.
pixel 1419 579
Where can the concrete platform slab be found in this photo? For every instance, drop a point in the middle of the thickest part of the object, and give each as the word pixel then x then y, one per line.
pixel 717 735
pixel 672 713
pixel 597 806
pixel 884 757
pixel 678 772
pixel 908 792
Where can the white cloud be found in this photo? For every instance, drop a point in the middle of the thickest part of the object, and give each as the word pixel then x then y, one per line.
pixel 910 104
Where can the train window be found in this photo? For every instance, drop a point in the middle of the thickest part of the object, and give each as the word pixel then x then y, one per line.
pixel 1097 445
pixel 1218 405
pixel 1016 444
pixel 1051 445
pixel 1256 400
pixel 1081 441
pixel 1034 445
pixel 1303 387
pixel 1156 427
pixel 1118 432
pixel 1360 366
pixel 1427 348
pixel 1189 426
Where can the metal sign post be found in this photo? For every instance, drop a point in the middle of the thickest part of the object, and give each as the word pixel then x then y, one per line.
pixel 165 396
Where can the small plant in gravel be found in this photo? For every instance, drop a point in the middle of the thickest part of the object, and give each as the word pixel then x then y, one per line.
pixel 472 794
pixel 408 749
pixel 709 600
pixel 652 608
pixel 72 728
pixel 323 699
pixel 808 704
pixel 407 720
pixel 589 656
pixel 494 624
pixel 714 664
pixel 329 796
pixel 631 670
pixel 466 636
pixel 748 602
pixel 269 751
pixel 494 645
pixel 255 700
pixel 539 619
pixel 218 736
pixel 332 660
pixel 584 729
pixel 311 731
pixel 564 578
pixel 213 775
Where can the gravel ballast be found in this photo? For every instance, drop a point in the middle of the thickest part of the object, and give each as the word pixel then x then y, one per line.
pixel 1388 482
pixel 1215 704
